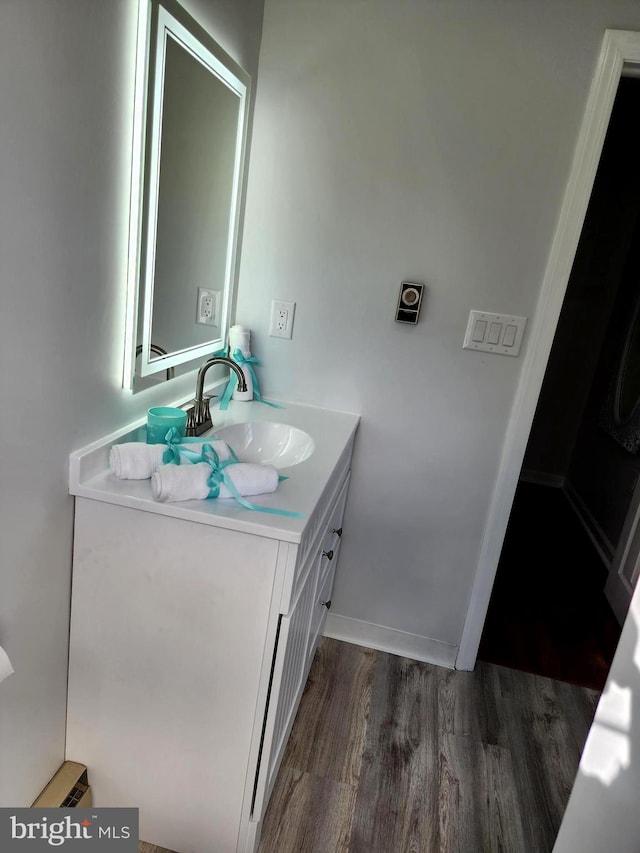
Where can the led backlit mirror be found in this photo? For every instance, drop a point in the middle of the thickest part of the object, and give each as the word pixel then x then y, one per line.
pixel 191 103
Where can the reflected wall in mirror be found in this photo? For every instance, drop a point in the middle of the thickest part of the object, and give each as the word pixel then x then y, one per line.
pixel 190 135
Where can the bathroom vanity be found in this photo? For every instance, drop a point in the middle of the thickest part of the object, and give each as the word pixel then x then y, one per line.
pixel 193 628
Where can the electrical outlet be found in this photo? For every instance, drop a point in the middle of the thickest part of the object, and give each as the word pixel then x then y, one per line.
pixel 281 325
pixel 207 307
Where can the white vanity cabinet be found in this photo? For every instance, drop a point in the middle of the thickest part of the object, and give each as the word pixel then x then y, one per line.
pixel 193 628
pixel 299 632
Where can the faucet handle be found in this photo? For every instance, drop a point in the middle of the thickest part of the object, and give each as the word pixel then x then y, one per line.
pixel 191 420
pixel 201 410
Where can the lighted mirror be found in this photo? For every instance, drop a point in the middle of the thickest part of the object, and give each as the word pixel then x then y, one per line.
pixel 191 104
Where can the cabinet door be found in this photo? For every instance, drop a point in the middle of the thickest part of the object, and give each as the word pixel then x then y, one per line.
pixel 298 635
pixel 287 684
pixel 168 628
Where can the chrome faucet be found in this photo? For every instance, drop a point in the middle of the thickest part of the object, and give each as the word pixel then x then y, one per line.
pixel 199 416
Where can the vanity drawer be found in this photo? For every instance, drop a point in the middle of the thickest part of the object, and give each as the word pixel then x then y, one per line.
pixel 326 570
pixel 333 534
pixel 321 605
pixel 301 559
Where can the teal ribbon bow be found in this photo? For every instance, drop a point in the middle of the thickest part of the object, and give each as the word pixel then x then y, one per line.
pixel 220 475
pixel 178 449
pixel 241 361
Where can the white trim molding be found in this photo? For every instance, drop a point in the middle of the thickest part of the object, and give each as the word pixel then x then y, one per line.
pixel 390 640
pixel 618 47
pixel 542 478
pixel 592 528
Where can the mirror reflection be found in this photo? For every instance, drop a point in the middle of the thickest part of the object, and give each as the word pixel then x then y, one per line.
pixel 620 410
pixel 195 124
pixel 627 397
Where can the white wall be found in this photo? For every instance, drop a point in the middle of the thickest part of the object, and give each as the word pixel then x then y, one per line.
pixel 65 140
pixel 410 140
pixel 393 140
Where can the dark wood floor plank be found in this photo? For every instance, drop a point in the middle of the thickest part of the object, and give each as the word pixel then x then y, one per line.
pixel 336 701
pixel 530 786
pixel 478 806
pixel 556 750
pixel 543 750
pixel 503 829
pixel 397 802
pixel 308 814
pixel 493 707
pixel 579 708
pixel 463 795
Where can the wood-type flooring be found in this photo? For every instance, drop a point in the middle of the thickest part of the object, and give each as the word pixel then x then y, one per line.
pixel 548 612
pixel 390 755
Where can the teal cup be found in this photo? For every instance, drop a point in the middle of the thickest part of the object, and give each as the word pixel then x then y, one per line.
pixel 160 419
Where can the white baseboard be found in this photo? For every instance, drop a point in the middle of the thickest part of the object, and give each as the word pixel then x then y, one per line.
pixel 542 478
pixel 390 640
pixel 597 535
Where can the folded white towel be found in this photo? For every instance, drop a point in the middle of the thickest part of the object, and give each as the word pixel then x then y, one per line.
pixel 190 482
pixel 135 460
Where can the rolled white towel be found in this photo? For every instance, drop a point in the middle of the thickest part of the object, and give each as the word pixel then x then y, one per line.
pixel 249 478
pixel 190 482
pixel 135 460
pixel 181 482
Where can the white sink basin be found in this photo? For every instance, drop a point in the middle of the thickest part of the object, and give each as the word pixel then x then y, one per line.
pixel 276 444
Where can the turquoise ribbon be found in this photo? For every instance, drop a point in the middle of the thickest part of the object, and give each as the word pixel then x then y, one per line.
pixel 242 360
pixel 177 448
pixel 219 475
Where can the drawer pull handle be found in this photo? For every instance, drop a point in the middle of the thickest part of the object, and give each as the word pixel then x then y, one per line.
pixel 326 604
pixel 328 554
pixel 337 531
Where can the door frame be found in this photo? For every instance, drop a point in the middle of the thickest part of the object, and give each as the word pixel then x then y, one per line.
pixel 625 566
pixel 618 47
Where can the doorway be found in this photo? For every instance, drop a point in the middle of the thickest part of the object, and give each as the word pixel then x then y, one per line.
pixel 620 49
pixel 548 612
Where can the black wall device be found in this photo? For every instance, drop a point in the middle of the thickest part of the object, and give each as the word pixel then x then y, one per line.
pixel 409 302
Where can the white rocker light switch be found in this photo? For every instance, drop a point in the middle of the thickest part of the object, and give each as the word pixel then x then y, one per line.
pixel 497 333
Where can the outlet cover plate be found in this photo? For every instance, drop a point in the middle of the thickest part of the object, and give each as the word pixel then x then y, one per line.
pixel 282 313
pixel 207 306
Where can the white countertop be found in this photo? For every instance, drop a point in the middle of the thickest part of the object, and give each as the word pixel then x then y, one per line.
pixel 90 477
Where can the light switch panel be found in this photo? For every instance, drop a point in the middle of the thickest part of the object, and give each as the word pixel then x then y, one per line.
pixel 497 333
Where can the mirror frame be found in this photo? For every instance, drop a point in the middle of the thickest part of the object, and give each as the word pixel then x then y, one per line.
pixel 159 20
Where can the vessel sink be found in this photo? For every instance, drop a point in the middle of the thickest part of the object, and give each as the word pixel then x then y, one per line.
pixel 275 444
